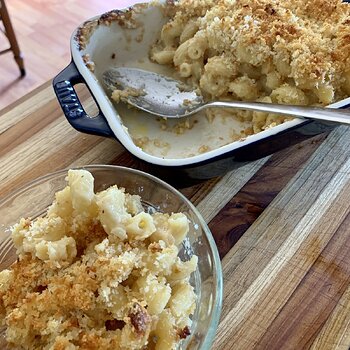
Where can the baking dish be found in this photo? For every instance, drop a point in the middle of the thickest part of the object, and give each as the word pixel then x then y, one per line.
pixel 123 38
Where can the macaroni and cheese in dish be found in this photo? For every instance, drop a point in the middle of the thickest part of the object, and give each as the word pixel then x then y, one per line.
pixel 98 272
pixel 288 52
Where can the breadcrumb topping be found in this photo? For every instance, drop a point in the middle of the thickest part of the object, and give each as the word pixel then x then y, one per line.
pixel 272 51
pixel 311 36
pixel 78 285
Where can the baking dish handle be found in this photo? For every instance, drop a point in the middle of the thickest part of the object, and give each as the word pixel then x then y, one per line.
pixel 63 85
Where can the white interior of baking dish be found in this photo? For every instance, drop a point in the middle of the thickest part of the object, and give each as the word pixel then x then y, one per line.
pixel 115 45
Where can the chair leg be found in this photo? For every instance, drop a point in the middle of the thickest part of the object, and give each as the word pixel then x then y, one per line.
pixel 10 33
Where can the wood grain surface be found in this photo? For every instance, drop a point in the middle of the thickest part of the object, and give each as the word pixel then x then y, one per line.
pixel 282 224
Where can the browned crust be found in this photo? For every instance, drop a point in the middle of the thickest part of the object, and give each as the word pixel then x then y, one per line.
pixel 125 18
pixel 83 33
pixel 155 247
pixel 112 325
pixel 184 332
pixel 139 319
pixel 316 31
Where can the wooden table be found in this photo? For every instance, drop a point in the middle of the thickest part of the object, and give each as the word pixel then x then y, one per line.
pixel 282 224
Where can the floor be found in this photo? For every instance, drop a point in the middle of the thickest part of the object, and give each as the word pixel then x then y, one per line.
pixel 43 29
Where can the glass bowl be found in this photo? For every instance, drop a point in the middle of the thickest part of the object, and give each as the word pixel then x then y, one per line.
pixel 33 199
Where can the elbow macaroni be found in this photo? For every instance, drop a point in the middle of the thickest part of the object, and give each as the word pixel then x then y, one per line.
pixel 260 50
pixel 112 212
pixel 107 265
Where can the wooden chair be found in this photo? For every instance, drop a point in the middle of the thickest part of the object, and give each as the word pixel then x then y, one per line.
pixel 11 36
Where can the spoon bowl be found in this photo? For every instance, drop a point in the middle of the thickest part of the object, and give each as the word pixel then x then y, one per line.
pixel 155 93
pixel 169 98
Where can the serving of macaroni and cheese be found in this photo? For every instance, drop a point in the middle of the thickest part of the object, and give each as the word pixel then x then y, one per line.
pixel 285 52
pixel 98 272
pixel 288 52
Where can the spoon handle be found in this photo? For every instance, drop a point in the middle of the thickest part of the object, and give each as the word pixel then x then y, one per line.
pixel 324 114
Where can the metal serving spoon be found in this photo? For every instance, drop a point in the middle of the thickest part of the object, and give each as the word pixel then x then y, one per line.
pixel 166 97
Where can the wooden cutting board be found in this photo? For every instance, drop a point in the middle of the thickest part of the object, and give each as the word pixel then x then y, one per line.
pixel 281 224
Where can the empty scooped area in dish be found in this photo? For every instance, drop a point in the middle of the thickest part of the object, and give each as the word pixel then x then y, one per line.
pixel 169 139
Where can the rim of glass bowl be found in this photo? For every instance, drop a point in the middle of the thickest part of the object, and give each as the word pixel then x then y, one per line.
pixel 215 317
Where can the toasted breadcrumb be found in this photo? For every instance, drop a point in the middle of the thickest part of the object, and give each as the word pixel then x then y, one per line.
pixel 123 95
pixel 93 290
pixel 288 52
